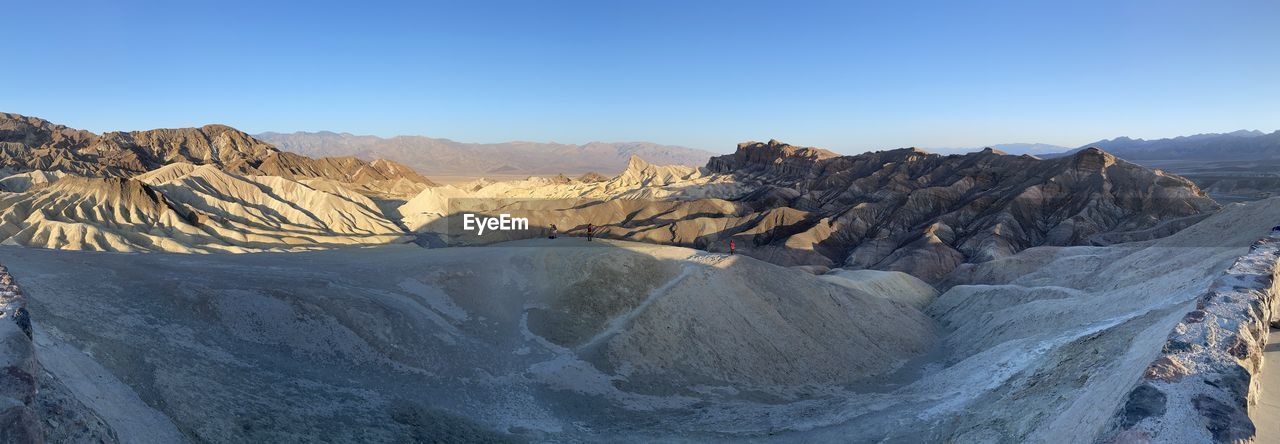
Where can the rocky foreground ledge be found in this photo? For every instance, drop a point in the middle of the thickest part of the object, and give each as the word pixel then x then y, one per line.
pixel 1202 384
pixel 18 366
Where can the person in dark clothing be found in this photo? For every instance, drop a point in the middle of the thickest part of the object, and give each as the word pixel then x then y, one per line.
pixel 553 232
pixel 731 247
pixel 591 232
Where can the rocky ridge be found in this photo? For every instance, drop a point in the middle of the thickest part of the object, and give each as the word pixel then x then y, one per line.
pixel 911 210
pixel 29 143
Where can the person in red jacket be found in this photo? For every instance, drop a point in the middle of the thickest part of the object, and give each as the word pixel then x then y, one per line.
pixel 731 247
pixel 591 231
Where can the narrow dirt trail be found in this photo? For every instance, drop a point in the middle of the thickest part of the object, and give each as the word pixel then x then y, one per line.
pixel 619 323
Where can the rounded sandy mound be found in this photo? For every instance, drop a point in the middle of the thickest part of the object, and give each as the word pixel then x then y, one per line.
pixel 895 285
pixel 746 322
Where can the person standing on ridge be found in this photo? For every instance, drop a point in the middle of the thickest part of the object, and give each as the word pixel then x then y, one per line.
pixel 591 231
pixel 731 247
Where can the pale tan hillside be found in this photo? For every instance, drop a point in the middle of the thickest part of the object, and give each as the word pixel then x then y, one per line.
pixel 267 202
pixel 108 214
pixel 641 187
pixel 901 287
pixel 18 183
pixel 184 208
pixel 389 189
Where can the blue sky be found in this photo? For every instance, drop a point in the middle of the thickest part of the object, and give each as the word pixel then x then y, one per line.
pixel 850 76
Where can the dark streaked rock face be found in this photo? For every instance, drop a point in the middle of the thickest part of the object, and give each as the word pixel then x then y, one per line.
pixel 1144 402
pixel 909 210
pixel 1225 422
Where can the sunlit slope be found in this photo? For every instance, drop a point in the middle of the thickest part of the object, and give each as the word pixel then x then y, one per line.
pixel 184 208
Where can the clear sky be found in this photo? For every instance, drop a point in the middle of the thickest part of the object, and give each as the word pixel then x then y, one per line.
pixel 845 75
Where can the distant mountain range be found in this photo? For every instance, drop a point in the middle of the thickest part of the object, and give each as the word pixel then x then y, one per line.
pixel 432 156
pixel 1232 146
pixel 1237 145
pixel 1035 149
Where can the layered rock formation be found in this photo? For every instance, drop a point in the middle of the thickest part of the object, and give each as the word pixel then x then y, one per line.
pixel 777 159
pixel 910 210
pixel 29 143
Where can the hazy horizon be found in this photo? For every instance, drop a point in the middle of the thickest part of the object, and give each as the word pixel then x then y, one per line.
pixel 731 148
pixel 846 77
